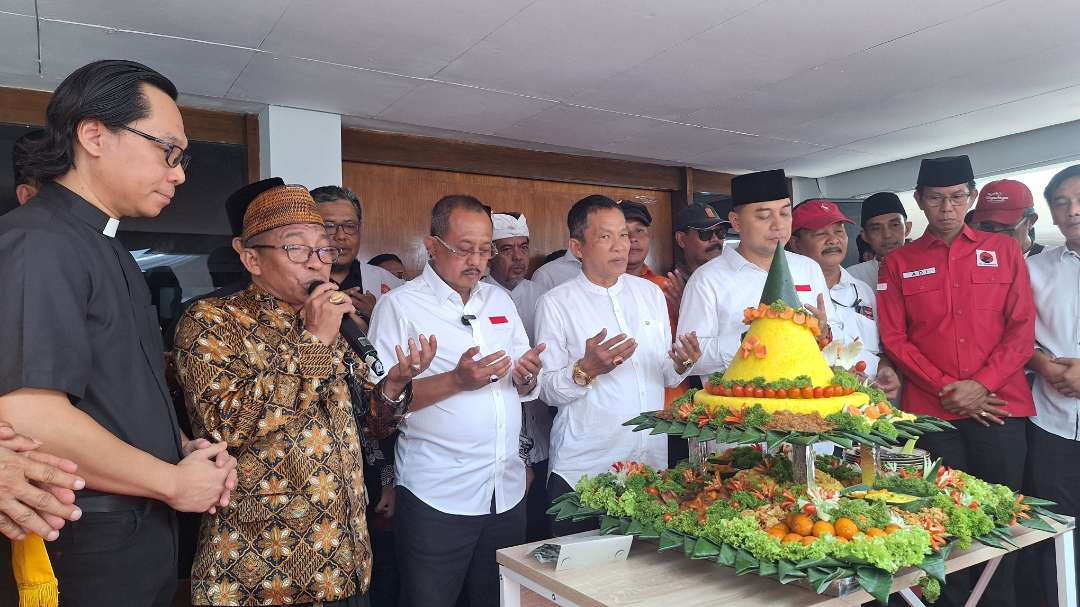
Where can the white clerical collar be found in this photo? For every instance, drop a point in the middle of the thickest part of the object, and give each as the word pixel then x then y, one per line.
pixel 110 227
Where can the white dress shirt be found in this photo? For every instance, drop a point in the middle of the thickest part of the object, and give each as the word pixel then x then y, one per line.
pixel 588 435
pixel 866 271
pixel 1055 282
pixel 719 291
pixel 456 453
pixel 856 314
pixel 525 295
pixel 537 417
pixel 556 272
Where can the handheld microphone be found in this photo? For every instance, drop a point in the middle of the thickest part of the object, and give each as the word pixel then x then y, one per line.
pixel 357 341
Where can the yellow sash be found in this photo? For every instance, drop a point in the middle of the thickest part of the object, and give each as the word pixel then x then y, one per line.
pixel 38 586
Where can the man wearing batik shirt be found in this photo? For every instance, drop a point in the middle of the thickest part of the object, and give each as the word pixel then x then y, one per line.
pixel 267 371
pixel 956 317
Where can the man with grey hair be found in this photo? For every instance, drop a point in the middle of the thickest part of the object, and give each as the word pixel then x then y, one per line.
pixel 340 208
pixel 461 482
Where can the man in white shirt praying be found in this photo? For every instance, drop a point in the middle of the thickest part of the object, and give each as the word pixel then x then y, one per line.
pixel 719 291
pixel 1053 435
pixel 460 474
pixel 507 270
pixel 608 355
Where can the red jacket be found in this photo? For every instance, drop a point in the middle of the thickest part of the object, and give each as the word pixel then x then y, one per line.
pixel 956 312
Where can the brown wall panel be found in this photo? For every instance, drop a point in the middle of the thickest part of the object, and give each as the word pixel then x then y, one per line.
pixel 462 156
pixel 398 200
pixel 22 106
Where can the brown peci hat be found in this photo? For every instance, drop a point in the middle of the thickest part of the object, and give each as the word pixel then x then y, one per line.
pixel 280 206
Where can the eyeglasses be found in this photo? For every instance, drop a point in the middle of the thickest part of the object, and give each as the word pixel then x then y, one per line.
pixel 955 200
pixel 508 249
pixel 174 155
pixel 707 235
pixel 301 253
pixel 486 253
pixel 349 227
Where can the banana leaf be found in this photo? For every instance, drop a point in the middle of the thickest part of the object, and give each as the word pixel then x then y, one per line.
pixel 876 582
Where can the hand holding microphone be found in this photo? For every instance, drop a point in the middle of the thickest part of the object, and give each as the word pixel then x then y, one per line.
pixel 324 310
pixel 324 316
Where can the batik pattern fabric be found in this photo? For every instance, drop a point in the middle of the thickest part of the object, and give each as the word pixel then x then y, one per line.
pixel 294 531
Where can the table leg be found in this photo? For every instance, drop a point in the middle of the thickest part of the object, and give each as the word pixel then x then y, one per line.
pixel 984 580
pixel 910 598
pixel 509 589
pixel 1064 550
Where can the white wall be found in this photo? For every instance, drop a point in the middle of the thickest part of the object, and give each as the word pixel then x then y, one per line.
pixel 300 146
pixel 1030 150
pixel 1031 157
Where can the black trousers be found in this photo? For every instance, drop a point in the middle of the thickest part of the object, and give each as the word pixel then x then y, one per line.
pixel 997 454
pixel 537 526
pixel 127 557
pixel 443 555
pixel 385 581
pixel 557 486
pixel 1053 473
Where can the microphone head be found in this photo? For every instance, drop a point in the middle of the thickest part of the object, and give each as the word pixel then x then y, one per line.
pixel 314 285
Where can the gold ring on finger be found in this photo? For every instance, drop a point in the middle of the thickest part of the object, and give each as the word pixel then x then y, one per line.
pixel 337 297
pixel 618 360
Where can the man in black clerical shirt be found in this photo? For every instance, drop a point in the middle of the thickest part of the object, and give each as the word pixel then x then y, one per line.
pixel 83 370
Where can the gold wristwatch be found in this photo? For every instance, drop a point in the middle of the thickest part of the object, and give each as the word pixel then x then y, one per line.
pixel 581 378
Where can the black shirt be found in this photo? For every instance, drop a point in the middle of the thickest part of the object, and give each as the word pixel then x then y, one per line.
pixel 78 319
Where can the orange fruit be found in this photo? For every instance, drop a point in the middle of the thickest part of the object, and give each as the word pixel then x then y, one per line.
pixel 792 537
pixel 790 520
pixel 780 528
pixel 875 532
pixel 843 540
pixel 885 408
pixel 872 413
pixel 845 528
pixel 802 525
pixel 890 529
pixel 806 541
pixel 823 528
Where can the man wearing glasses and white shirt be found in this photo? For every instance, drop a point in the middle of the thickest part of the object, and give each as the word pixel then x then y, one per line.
pixel 460 474
pixel 609 354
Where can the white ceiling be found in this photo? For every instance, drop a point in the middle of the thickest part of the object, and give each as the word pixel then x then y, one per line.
pixel 814 86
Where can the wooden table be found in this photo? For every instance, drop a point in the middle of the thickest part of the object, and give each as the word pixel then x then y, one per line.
pixel 648 577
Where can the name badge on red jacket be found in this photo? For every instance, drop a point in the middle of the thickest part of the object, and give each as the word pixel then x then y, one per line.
pixel 498 320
